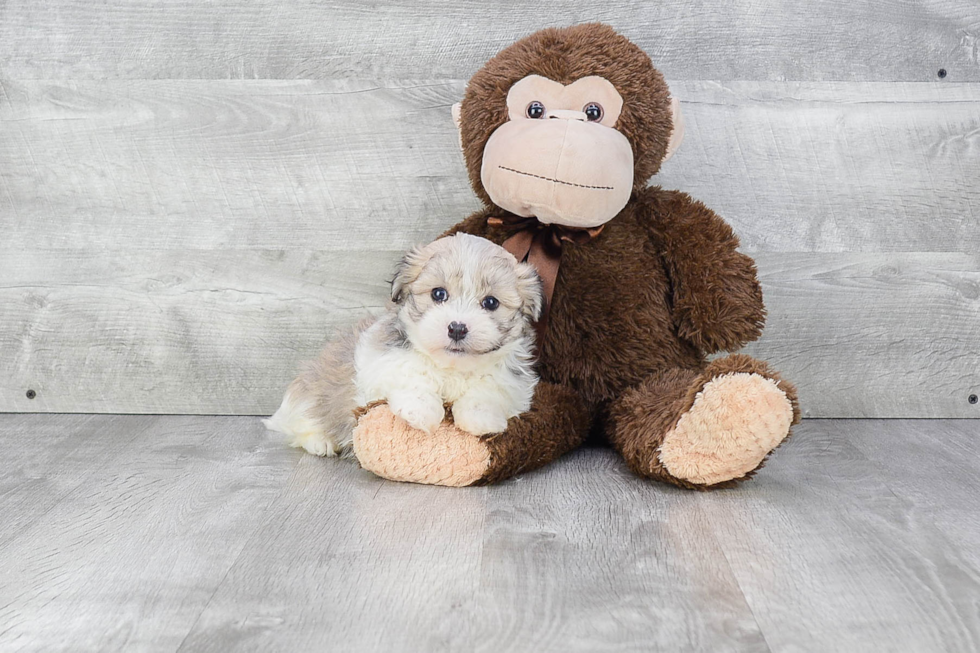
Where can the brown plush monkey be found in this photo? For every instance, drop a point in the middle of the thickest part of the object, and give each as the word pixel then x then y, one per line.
pixel 560 132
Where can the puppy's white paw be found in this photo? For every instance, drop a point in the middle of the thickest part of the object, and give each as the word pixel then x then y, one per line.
pixel 422 412
pixel 316 444
pixel 303 433
pixel 479 418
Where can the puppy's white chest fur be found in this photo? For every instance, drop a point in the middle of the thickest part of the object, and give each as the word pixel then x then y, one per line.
pixel 380 372
pixel 381 367
pixel 484 390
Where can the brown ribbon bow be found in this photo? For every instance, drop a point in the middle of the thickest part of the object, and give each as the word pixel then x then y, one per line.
pixel 540 245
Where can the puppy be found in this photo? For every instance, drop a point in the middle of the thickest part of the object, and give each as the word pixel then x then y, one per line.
pixel 458 331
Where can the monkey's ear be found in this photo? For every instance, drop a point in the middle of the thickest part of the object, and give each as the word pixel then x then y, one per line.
pixel 530 289
pixel 407 272
pixel 677 133
pixel 458 120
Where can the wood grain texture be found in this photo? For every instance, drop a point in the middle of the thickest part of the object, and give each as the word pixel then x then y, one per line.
pixel 845 506
pixel 348 561
pixel 353 165
pixel 908 450
pixel 836 40
pixel 835 167
pixel 129 558
pixel 636 562
pixel 206 534
pixel 201 164
pixel 183 331
pixel 47 460
pixel 875 335
pixel 222 331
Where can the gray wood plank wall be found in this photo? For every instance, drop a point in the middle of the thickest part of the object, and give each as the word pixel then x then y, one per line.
pixel 193 195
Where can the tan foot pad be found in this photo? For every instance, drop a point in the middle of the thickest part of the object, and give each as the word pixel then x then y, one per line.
pixel 736 420
pixel 387 446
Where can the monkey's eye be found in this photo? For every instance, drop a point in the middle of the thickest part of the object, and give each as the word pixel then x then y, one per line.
pixel 439 295
pixel 535 110
pixel 490 303
pixel 593 111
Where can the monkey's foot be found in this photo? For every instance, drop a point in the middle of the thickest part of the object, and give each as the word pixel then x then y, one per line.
pixel 735 421
pixel 387 446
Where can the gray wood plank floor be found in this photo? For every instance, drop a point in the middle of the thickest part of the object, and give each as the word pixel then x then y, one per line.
pixel 167 533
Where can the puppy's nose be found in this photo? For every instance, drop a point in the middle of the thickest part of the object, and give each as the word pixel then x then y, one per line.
pixel 457 331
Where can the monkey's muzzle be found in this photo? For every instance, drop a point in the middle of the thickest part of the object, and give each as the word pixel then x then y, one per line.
pixel 561 171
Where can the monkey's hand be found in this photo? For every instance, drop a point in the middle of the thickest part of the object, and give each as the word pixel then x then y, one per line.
pixel 717 298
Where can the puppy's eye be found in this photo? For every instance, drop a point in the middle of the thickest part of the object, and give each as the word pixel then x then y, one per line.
pixel 490 303
pixel 593 111
pixel 440 295
pixel 535 110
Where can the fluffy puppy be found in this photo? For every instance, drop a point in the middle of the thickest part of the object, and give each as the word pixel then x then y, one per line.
pixel 458 331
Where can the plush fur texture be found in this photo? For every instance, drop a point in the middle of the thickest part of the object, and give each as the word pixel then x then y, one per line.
pixel 410 358
pixel 661 286
pixel 636 309
pixel 449 456
pixel 735 421
pixel 643 417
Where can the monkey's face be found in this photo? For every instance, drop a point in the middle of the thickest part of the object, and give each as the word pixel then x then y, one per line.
pixel 566 124
pixel 559 156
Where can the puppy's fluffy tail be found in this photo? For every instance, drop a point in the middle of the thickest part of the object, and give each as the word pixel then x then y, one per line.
pixel 317 412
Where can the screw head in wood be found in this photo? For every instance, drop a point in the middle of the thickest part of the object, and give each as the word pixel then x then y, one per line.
pixel 31 394
pixel 942 73
pixel 973 399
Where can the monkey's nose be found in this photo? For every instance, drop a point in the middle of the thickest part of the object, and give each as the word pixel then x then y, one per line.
pixel 568 115
pixel 457 331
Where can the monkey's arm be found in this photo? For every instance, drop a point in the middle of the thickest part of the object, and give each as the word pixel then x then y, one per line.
pixel 717 298
pixel 557 422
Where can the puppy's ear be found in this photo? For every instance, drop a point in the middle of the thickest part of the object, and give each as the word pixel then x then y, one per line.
pixel 407 272
pixel 530 289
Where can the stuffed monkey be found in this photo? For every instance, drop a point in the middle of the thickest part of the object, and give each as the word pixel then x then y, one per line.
pixel 560 133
